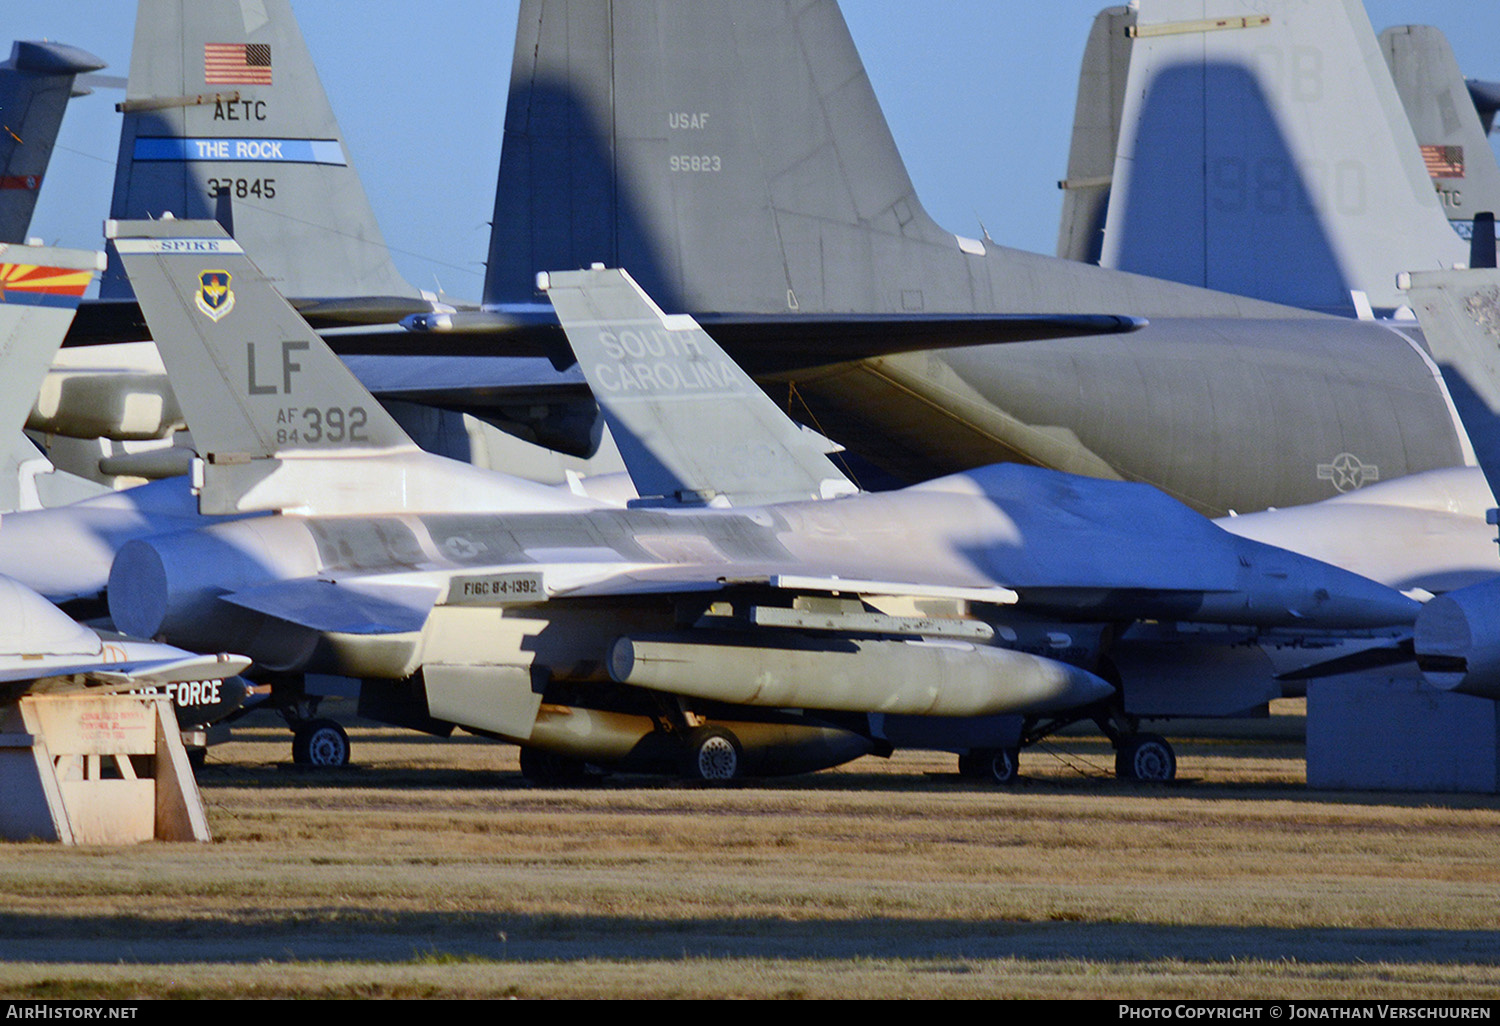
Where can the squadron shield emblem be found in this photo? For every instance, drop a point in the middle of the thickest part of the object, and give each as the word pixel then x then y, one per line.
pixel 215 298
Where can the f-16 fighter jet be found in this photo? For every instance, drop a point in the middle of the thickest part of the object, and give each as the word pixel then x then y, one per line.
pixel 751 613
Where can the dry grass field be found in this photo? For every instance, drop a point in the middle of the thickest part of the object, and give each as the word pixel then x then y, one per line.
pixel 431 869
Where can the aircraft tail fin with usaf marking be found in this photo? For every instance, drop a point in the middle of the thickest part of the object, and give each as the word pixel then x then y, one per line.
pixel 690 424
pixel 225 119
pixel 1265 151
pixel 35 85
pixel 1455 146
pixel 733 158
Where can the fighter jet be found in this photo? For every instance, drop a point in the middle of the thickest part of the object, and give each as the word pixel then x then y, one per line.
pixel 35 85
pixel 750 579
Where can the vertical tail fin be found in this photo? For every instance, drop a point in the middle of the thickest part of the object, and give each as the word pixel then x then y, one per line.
pixel 1265 152
pixel 690 425
pixel 253 379
pixel 1460 316
pixel 39 291
pixel 661 114
pixel 35 85
pixel 1486 97
pixel 225 118
pixel 1455 146
pixel 1096 135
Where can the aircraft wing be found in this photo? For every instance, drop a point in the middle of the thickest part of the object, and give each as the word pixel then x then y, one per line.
pixel 399 603
pixel 764 344
pixel 666 579
pixel 468 382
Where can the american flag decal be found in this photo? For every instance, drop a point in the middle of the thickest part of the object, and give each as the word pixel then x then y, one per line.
pixel 1444 161
pixel 237 63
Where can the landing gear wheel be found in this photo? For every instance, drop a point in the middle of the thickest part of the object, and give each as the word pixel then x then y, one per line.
pixel 993 765
pixel 713 755
pixel 1145 757
pixel 549 769
pixel 320 743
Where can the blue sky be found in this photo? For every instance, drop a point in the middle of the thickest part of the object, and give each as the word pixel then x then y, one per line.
pixel 979 94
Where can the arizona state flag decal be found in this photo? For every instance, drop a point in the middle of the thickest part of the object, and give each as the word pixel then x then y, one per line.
pixel 34 285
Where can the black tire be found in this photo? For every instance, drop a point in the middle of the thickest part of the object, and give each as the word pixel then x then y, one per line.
pixel 1146 757
pixel 713 756
pixel 320 743
pixel 542 768
pixel 991 765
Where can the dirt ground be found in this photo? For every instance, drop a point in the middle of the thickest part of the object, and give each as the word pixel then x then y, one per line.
pixel 430 868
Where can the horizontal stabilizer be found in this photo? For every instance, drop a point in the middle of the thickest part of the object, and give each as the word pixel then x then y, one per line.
pixel 342 607
pixel 761 343
pixel 691 426
pixel 175 671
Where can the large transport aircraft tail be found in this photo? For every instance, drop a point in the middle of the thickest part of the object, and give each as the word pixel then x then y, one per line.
pixel 691 425
pixel 1455 146
pixel 734 159
pixel 1265 152
pixel 39 291
pixel 35 85
pixel 225 120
